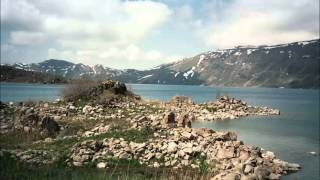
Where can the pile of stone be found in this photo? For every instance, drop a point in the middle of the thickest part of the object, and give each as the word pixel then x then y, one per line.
pixel 183 147
pixel 35 157
pixel 108 92
pixel 163 120
pixel 6 122
pixel 34 122
pixel 223 108
pixel 97 130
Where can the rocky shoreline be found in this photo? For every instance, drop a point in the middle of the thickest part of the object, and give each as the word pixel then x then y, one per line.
pixel 156 134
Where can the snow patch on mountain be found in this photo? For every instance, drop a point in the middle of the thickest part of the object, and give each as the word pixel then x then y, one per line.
pixel 200 60
pixel 250 51
pixel 238 53
pixel 176 74
pixel 144 77
pixel 190 72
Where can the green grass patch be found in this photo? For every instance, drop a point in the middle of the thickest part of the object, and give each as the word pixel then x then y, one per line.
pixel 134 135
pixel 10 168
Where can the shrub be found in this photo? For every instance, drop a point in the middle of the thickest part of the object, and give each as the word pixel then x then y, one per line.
pixel 78 89
pixel 97 92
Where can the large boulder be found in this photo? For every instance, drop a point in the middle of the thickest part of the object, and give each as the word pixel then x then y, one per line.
pixel 49 124
pixel 120 88
pixel 30 119
pixel 168 120
pixel 185 119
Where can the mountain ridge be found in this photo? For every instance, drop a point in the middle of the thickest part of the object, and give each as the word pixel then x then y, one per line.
pixel 291 65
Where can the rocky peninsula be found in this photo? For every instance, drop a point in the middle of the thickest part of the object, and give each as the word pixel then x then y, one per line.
pixel 108 127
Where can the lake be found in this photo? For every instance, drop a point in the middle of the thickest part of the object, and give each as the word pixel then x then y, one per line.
pixel 292 135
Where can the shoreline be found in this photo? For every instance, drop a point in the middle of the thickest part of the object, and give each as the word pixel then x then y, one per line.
pixel 166 120
pixel 253 87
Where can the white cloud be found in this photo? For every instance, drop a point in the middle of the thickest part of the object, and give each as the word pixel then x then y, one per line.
pixel 130 56
pixel 88 30
pixel 263 22
pixel 184 13
pixel 141 34
pixel 20 15
pixel 133 20
pixel 26 38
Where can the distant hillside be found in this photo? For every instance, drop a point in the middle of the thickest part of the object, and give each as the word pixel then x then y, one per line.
pixel 11 74
pixel 293 65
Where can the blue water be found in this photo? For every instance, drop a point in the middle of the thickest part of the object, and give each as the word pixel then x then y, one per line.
pixel 24 92
pixel 291 135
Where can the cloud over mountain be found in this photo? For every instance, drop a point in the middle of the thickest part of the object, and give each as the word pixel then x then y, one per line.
pixel 142 34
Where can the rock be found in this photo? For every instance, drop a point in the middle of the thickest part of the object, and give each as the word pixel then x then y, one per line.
pixel 172 147
pixel 185 119
pixel 227 136
pixel 168 163
pixel 86 109
pixel 227 176
pixel 168 120
pixel 226 153
pixel 26 129
pixel 268 155
pixel 247 169
pixel 75 163
pixel 188 150
pixel 185 162
pixel 262 172
pixel 181 100
pixel 50 125
pixel 48 140
pixel 293 167
pixel 88 133
pixel 156 165
pixel 243 155
pixel 273 176
pixel 30 119
pixel 119 88
pixel 204 132
pixel 173 162
pixel 56 118
pixel 101 165
pixel 186 135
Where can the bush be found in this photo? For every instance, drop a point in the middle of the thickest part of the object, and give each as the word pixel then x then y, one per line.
pixel 78 89
pixel 105 92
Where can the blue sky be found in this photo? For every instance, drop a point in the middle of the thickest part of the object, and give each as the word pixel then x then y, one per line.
pixel 144 34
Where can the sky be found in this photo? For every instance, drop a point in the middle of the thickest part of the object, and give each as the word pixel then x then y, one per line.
pixel 143 34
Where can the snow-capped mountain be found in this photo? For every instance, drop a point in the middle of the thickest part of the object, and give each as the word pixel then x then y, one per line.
pixel 294 65
pixel 69 70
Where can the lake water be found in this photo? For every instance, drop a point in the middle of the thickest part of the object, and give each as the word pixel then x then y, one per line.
pixel 292 135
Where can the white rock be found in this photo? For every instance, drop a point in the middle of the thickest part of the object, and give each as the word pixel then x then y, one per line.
pixel 101 165
pixel 156 165
pixel 172 147
pixel 86 109
pixel 26 129
pixel 269 155
pixel 313 153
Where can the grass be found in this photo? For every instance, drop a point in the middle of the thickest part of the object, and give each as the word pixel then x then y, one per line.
pixel 134 135
pixel 21 140
pixel 203 165
pixel 10 168
pixel 17 139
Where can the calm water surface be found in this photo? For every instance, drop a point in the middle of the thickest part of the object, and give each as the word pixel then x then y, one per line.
pixel 292 135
